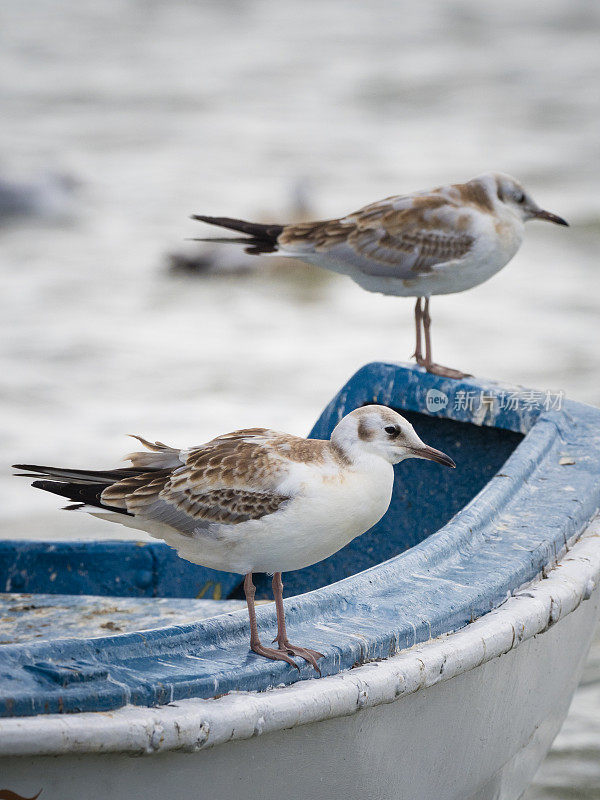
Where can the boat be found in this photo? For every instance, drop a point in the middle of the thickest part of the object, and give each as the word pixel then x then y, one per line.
pixel 454 632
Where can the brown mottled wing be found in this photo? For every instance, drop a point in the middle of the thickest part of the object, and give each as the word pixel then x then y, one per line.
pixel 229 480
pixel 400 237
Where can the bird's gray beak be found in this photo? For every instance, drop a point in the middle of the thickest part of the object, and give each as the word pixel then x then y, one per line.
pixel 548 215
pixel 431 454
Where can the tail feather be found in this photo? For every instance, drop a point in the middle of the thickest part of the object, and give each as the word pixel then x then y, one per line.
pixel 79 493
pixel 81 476
pixel 85 487
pixel 260 238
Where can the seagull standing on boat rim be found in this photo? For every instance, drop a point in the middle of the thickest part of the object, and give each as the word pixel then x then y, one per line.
pixel 254 500
pixel 437 241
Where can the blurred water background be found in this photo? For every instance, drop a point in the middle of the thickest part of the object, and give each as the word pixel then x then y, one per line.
pixel 154 110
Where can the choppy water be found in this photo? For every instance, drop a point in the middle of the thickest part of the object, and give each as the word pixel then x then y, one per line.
pixel 161 109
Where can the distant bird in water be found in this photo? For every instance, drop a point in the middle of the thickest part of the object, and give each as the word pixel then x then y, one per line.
pixel 50 196
pixel 254 500
pixel 438 241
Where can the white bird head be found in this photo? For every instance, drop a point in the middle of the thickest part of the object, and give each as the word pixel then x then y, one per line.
pixel 378 430
pixel 515 197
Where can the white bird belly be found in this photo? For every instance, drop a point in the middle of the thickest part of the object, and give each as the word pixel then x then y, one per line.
pixel 316 523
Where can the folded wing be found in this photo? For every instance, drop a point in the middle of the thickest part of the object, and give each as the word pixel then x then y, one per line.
pixel 232 479
pixel 400 237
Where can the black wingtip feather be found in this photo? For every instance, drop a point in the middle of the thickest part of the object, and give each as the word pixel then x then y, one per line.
pixel 68 475
pixel 262 238
pixel 86 494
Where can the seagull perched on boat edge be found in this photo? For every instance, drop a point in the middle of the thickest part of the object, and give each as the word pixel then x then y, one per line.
pixel 254 500
pixel 437 241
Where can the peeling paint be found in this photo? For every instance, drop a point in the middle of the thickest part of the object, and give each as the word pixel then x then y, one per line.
pixel 51 616
pixel 195 724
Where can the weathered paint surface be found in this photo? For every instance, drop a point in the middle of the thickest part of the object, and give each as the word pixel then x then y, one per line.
pixel 26 617
pixel 370 731
pixel 517 525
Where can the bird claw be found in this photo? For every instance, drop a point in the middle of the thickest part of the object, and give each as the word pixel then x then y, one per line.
pixel 446 372
pixel 306 653
pixel 438 369
pixel 273 654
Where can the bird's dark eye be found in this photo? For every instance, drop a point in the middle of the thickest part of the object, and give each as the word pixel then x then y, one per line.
pixel 521 198
pixel 393 430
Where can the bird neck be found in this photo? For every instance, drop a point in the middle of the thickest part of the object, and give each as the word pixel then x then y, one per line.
pixel 359 459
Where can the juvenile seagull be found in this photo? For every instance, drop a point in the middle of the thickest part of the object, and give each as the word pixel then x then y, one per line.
pixel 254 500
pixel 439 241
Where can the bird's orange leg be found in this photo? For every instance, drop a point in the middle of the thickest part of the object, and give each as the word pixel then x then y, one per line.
pixel 282 639
pixel 255 643
pixel 428 363
pixel 418 354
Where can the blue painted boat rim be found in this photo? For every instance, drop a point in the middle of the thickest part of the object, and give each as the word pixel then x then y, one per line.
pixel 193 725
pixel 490 548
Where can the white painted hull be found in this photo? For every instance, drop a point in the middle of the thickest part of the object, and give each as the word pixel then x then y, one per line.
pixel 469 715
